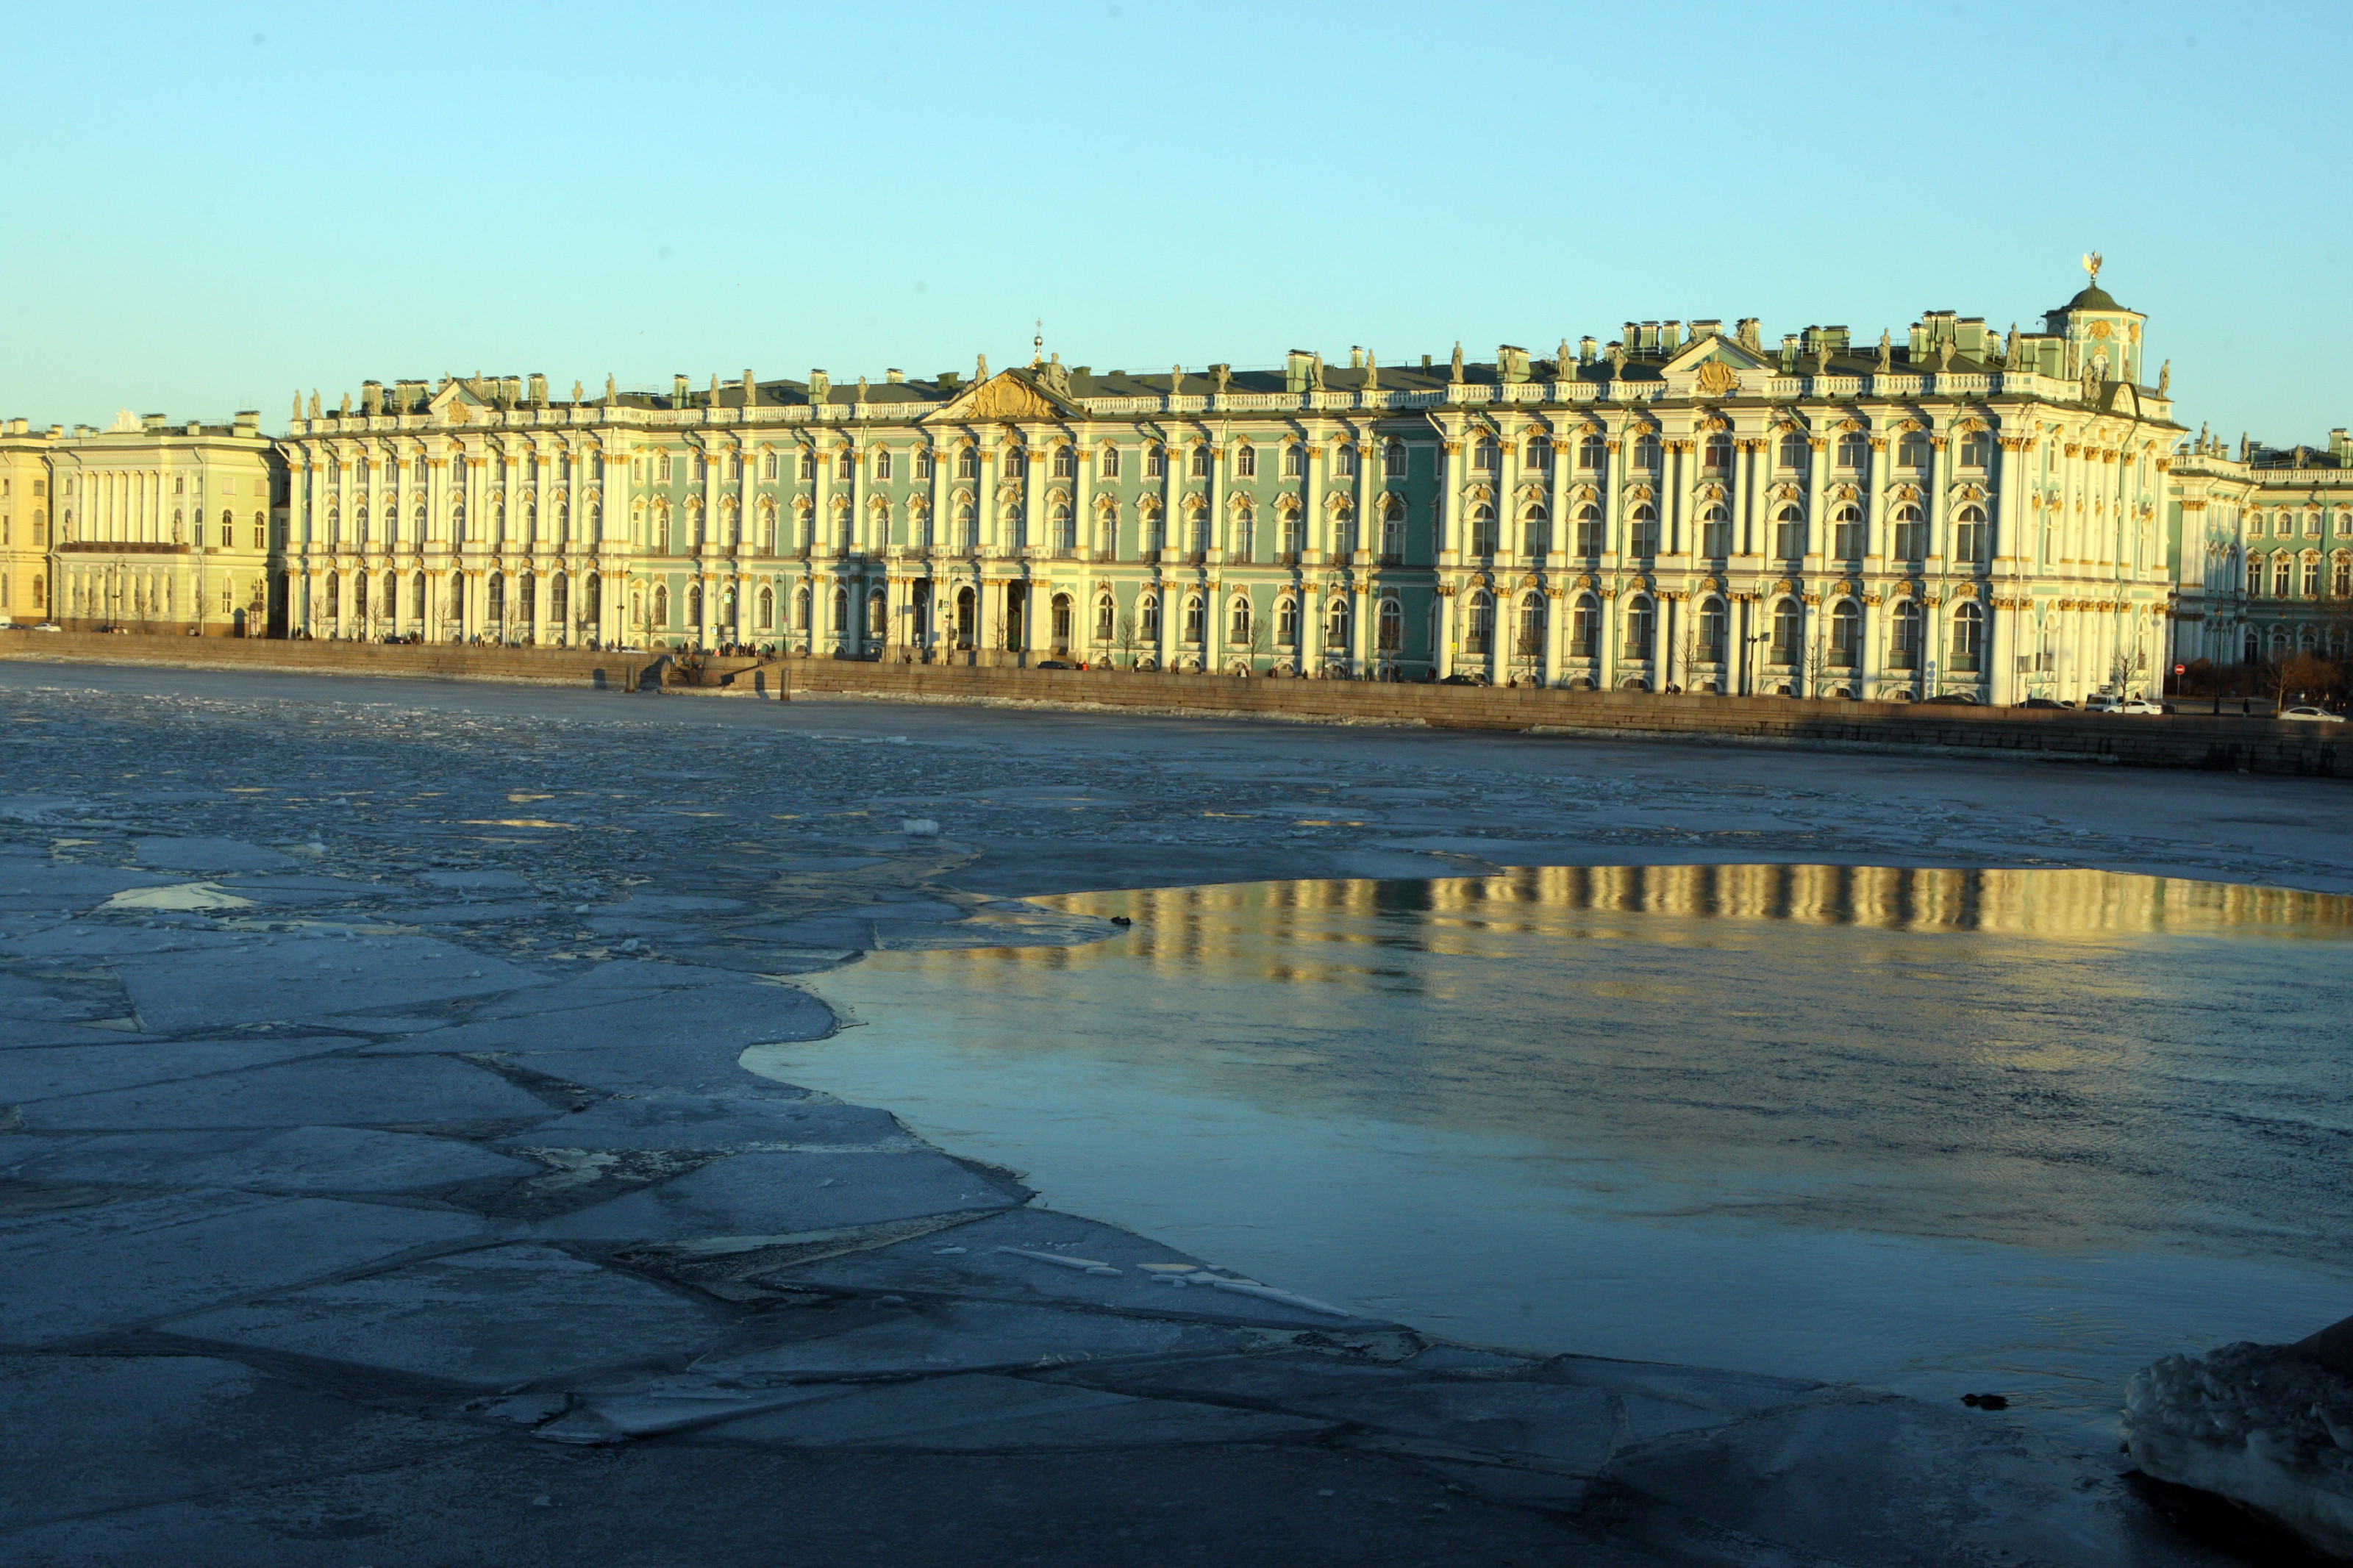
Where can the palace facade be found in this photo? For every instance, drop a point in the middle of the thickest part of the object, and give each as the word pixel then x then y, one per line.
pixel 1962 512
pixel 2265 568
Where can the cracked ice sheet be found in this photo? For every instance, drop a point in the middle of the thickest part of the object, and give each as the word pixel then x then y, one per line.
pixel 89 1270
pixel 310 977
pixel 323 1160
pixel 706 1123
pixel 415 1091
pixel 489 1319
pixel 732 1015
pixel 979 1411
pixel 786 1194
pixel 177 1427
pixel 207 854
pixel 47 1073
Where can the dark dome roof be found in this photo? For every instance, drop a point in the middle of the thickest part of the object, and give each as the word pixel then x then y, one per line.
pixel 2094 297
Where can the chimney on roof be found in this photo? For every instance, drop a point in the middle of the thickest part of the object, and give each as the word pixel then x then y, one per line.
pixel 677 394
pixel 539 389
pixel 372 398
pixel 1295 368
pixel 1585 349
pixel 248 422
pixel 1356 356
pixel 1671 337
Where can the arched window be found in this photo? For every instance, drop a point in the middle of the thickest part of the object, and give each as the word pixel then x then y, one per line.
pixel 801 608
pixel 877 614
pixel 1716 456
pixel 497 603
pixel 1591 453
pixel 1586 628
pixel 1106 613
pixel 1286 623
pixel 882 463
pixel 559 600
pixel 1904 645
pixel 694 618
pixel 2341 576
pixel 1343 463
pixel 1154 530
pixel 1715 530
pixel 1529 642
pixel 769 464
pixel 1066 463
pixel 1237 624
pixel 1793 453
pixel 1245 461
pixel 1969 534
pixel 1059 626
pixel 1539 454
pixel 1109 465
pixel 1294 462
pixel 1788 632
pixel 1588 530
pixel 2311 576
pixel 1245 540
pixel 1642 531
pixel 1200 468
pixel 967 463
pixel 1968 638
pixel 1194 628
pixel 967 526
pixel 1535 530
pixel 923 462
pixel 1155 463
pixel 2282 568
pixel 1065 530
pixel 1393 459
pixel 1853 451
pixel 1287 521
pixel 1789 532
pixel 1976 448
pixel 1147 618
pixel 662 603
pixel 661 466
pixel 1482 530
pixel 1911 539
pixel 1392 530
pixel 1642 628
pixel 767 610
pixel 1478 624
pixel 1017 463
pixel 1714 627
pixel 840 625
pixel 1648 454
pixel 1846 533
pixel 1392 627
pixel 1486 455
pixel 1846 634
pixel 1336 626
pixel 1912 449
pixel 334 595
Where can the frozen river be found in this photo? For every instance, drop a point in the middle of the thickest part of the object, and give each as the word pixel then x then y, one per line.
pixel 1939 1132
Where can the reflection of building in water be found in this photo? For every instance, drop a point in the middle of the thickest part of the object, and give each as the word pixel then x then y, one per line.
pixel 1283 929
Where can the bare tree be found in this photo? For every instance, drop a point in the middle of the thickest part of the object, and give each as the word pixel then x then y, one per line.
pixel 1126 638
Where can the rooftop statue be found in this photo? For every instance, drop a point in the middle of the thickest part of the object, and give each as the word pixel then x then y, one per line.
pixel 1887 352
pixel 1458 360
pixel 2164 379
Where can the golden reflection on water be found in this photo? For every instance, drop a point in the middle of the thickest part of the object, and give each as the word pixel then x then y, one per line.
pixel 1230 924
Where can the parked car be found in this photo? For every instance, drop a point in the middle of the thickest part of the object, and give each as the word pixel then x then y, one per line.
pixel 1055 664
pixel 2307 714
pixel 2140 705
pixel 1953 699
pixel 2099 702
pixel 2041 702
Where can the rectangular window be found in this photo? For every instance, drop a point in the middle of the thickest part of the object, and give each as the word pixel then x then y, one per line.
pixel 2312 577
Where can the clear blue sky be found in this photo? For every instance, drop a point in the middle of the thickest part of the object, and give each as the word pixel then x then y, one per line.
pixel 206 207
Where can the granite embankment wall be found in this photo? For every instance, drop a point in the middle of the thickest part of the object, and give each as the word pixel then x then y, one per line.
pixel 423 661
pixel 2226 743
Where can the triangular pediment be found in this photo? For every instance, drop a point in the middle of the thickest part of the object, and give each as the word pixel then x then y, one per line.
pixel 454 402
pixel 1715 350
pixel 1008 396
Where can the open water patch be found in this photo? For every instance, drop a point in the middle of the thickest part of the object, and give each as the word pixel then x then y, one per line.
pixel 1937 1131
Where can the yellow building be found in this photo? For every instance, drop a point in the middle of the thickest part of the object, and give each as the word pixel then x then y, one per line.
pixel 164 527
pixel 25 521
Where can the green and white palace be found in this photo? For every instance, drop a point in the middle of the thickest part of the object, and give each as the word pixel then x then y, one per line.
pixel 1952 510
